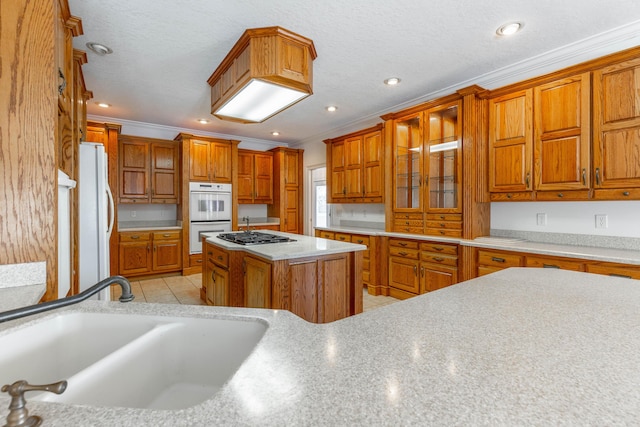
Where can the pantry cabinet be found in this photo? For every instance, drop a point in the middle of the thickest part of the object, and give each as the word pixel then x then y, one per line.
pixel 356 167
pixel 149 170
pixel 287 189
pixel 616 131
pixel 255 177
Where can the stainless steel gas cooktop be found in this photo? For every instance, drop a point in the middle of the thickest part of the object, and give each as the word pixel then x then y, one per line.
pixel 253 238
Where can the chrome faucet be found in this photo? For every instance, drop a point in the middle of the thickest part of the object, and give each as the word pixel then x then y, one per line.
pixel 63 302
pixel 246 218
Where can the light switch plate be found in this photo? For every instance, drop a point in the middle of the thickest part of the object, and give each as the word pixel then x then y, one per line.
pixel 541 219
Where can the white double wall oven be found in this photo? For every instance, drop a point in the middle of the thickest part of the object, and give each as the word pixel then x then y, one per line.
pixel 209 211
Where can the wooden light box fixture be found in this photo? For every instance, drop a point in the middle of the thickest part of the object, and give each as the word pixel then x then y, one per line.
pixel 267 70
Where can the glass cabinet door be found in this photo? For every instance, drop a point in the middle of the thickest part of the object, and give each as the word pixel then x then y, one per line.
pixel 408 171
pixel 442 159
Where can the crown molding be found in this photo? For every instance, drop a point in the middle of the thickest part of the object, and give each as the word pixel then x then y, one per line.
pixel 608 42
pixel 144 129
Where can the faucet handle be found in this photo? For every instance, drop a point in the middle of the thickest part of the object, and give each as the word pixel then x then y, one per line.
pixel 18 414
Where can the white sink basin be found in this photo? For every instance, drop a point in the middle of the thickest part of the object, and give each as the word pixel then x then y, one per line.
pixel 133 361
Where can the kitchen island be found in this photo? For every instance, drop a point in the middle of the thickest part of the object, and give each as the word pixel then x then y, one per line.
pixel 317 279
pixel 523 346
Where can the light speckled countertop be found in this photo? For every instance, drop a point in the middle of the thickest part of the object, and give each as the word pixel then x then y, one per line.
pixel 606 254
pixel 522 346
pixel 302 246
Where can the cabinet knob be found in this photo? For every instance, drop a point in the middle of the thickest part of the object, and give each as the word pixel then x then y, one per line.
pixel 360 240
pixel 560 195
pixel 167 235
pixel 508 195
pixel 496 259
pixel 402 243
pixel 437 248
pixel 625 193
pixel 135 237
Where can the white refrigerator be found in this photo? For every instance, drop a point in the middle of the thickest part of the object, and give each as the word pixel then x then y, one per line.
pixel 95 217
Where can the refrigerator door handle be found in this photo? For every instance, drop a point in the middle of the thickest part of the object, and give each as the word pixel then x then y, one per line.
pixel 112 212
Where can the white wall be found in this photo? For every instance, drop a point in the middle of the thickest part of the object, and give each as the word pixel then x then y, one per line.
pixel 147 212
pixel 569 217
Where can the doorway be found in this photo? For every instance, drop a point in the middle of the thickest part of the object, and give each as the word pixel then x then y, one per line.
pixel 319 209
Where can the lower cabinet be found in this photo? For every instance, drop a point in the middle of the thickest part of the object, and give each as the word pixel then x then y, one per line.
pixel 319 289
pixel 143 253
pixel 489 261
pixel 417 267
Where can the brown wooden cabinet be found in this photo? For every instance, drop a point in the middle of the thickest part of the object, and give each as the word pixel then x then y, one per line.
pixel 319 289
pixel 215 275
pixel 149 170
pixel 356 167
pixel 257 282
pixel 287 192
pixel 167 251
pixel 209 159
pixel 143 253
pixel 255 177
pixel 616 131
pixel 419 267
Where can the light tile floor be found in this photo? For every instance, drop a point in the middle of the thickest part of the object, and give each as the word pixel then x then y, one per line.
pixel 186 290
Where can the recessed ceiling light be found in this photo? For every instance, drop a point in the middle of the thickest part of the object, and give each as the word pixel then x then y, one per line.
pixel 203 121
pixel 275 133
pixel 392 81
pixel 331 108
pixel 103 104
pixel 99 49
pixel 509 29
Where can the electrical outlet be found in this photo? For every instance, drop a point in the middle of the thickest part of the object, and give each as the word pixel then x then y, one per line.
pixel 133 214
pixel 601 221
pixel 541 219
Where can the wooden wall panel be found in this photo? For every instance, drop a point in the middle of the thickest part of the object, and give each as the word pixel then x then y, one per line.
pixel 28 164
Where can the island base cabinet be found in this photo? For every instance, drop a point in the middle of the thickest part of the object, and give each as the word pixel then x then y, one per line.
pixel 257 283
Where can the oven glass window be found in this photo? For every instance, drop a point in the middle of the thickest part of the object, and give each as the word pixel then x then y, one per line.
pixel 211 205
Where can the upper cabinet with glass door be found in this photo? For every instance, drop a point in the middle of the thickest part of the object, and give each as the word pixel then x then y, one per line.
pixel 408 164
pixel 442 159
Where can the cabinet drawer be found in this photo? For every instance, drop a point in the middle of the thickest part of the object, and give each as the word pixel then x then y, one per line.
pixel 545 262
pixel 408 223
pixel 407 229
pixel 134 237
pixel 361 240
pixel 167 235
pixel 447 232
pixel 327 235
pixel 444 224
pixel 503 197
pixel 217 255
pixel 196 260
pixel 438 248
pixel 403 252
pixel 499 259
pixel 483 271
pixel 342 237
pixel 619 194
pixel 439 259
pixel 444 217
pixel 564 195
pixel 616 270
pixel 409 216
pixel 403 243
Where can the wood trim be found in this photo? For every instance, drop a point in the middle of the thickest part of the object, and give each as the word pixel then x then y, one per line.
pixel 421 107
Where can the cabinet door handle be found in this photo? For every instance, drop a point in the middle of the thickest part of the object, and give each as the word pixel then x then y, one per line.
pixel 550 266
pixel 597 176
pixel 415 270
pixel 560 195
pixel 438 259
pixel 341 238
pixel 219 257
pixel 403 253
pixel 496 259
pixel 403 244
pixel 135 237
pixel 244 267
pixel 213 275
pixel 422 271
pixel 199 261
pixel 155 248
pixel 209 253
pixel 527 179
pixel 584 176
pixel 360 240
pixel 166 235
pixel 148 248
pixel 437 248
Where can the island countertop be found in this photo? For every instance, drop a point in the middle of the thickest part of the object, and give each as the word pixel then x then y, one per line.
pixel 302 246
pixel 523 346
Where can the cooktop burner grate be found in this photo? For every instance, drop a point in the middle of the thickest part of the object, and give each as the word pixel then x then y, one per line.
pixel 253 238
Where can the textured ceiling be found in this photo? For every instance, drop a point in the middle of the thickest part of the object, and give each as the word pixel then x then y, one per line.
pixel 165 50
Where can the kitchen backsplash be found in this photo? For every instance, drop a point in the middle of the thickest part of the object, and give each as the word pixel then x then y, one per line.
pixel 147 212
pixel 357 215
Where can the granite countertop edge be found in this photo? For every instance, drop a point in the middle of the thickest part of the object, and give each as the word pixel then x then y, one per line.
pixel 313 374
pixel 623 256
